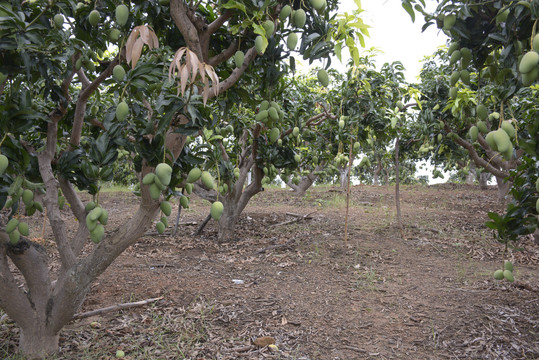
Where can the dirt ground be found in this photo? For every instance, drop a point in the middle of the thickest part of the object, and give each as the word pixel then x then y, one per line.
pixel 430 295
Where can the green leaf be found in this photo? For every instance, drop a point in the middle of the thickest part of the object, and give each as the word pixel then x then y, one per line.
pixel 337 49
pixel 408 7
pixel 235 5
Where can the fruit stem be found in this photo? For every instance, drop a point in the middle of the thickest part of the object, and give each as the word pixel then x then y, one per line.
pixel 3 138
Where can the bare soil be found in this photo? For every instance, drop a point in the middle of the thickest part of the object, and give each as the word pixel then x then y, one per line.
pixel 430 295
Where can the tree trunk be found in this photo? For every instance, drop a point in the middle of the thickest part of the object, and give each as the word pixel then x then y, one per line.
pixel 472 174
pixel 228 220
pixel 376 174
pixel 36 342
pixel 306 182
pixel 503 189
pixel 344 176
pixel 483 180
pixel 397 187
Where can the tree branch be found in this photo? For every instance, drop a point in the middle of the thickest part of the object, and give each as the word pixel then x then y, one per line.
pixel 224 55
pixel 236 73
pixel 179 11
pixel 479 161
pixel 217 23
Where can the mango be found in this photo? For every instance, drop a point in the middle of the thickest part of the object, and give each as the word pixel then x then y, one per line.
pixel 260 45
pixel 465 77
pixel 216 210
pixel 239 58
pixel 449 21
pixel 323 77
pixel 317 4
pixel 164 172
pixel 114 35
pixel 269 26
pixel 24 229
pixel 356 148
pixel 341 124
pixel 508 128
pixel 14 237
pixel 159 184
pixel 529 78
pixel 27 197
pixel 160 227
pixel 297 158
pixel 94 18
pixel 4 163
pixel 285 12
pixel 164 220
pixel 262 115
pixel 166 208
pixel 118 73
pixel 274 135
pixel 482 126
pixel 207 180
pixel 535 43
pixel 455 76
pixel 155 192
pixel 481 111
pixel 452 48
pixel 184 202
pixel 104 217
pixel 97 234
pixel 465 57
pixel 188 188
pixel 490 141
pixel 12 225
pixel 528 62
pixel 299 18
pixel 498 274
pixel 95 213
pixel 273 114
pixel 508 275
pixel 455 56
pixel 89 206
pixel 264 105
pixel 474 132
pixel 503 142
pixel 59 20
pixel 453 92
pixel 122 13
pixel 508 265
pixel 194 175
pixel 148 179
pixel 292 41
pixel 295 131
pixel 122 110
pixel 494 116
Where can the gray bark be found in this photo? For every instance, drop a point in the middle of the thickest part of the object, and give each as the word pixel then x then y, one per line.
pixel 306 182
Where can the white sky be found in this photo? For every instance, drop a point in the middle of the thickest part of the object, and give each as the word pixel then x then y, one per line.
pixel 393 33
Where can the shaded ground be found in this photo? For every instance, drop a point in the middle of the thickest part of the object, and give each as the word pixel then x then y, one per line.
pixel 376 296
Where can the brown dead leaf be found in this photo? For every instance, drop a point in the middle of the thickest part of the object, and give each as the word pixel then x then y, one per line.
pixel 264 341
pixel 140 35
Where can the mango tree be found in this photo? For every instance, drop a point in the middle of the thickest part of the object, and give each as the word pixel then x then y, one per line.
pixel 81 83
pixel 491 94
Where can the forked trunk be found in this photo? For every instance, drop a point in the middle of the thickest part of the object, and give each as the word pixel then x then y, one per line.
pixel 228 220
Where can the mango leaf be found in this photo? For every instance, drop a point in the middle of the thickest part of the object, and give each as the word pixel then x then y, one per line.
pixel 408 7
pixel 235 5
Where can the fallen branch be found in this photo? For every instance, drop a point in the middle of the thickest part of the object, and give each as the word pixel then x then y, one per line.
pixel 294 220
pixel 286 245
pixel 296 215
pixel 114 307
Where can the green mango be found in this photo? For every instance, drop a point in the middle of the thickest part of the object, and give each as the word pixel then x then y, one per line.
pixel 122 14
pixel 194 175
pixel 216 210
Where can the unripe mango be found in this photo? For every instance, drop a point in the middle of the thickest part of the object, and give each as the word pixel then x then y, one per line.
pixel 323 77
pixel 273 114
pixel 481 111
pixel 114 35
pixel 474 132
pixel 260 45
pixel 118 73
pixel 97 234
pixel 455 76
pixel 269 26
pixel 216 210
pixel 292 41
pixel 508 128
pixel 508 265
pixel 188 188
pixel 94 18
pixel 59 20
pixel 503 142
pixel 449 21
pixel 166 208
pixel 274 135
pixel 455 56
pixel 24 229
pixel 160 227
pixel 299 18
pixel 12 225
pixel 27 197
pixel 317 4
pixel 122 13
pixel 295 131
pixel 194 175
pixel 4 163
pixel 453 92
pixel 490 141
pixel 239 58
pixel 264 105
pixel 498 274
pixel 452 48
pixel 297 158
pixel 122 110
pixel 163 172
pixel 95 213
pixel 148 179
pixel 482 126
pixel 14 237
pixel 207 180
pixel 155 192
pixel 465 77
pixel 529 78
pixel 104 217
pixel 262 115
pixel 466 57
pixel 529 62
pixel 535 43
pixel 184 202
pixel 285 12
pixel 508 275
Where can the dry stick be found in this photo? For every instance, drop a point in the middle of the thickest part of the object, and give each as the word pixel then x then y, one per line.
pixel 348 191
pixel 203 225
pixel 178 216
pixel 397 192
pixel 295 220
pixel 114 307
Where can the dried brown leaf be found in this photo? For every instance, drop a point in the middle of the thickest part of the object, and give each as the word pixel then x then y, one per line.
pixel 129 44
pixel 184 77
pixel 137 51
pixel 205 92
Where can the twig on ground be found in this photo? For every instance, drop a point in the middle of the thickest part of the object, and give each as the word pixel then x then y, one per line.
pixel 294 220
pixel 115 307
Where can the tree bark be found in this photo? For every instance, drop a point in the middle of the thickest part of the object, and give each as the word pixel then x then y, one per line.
pixel 503 189
pixel 397 187
pixel 306 182
pixel 344 176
